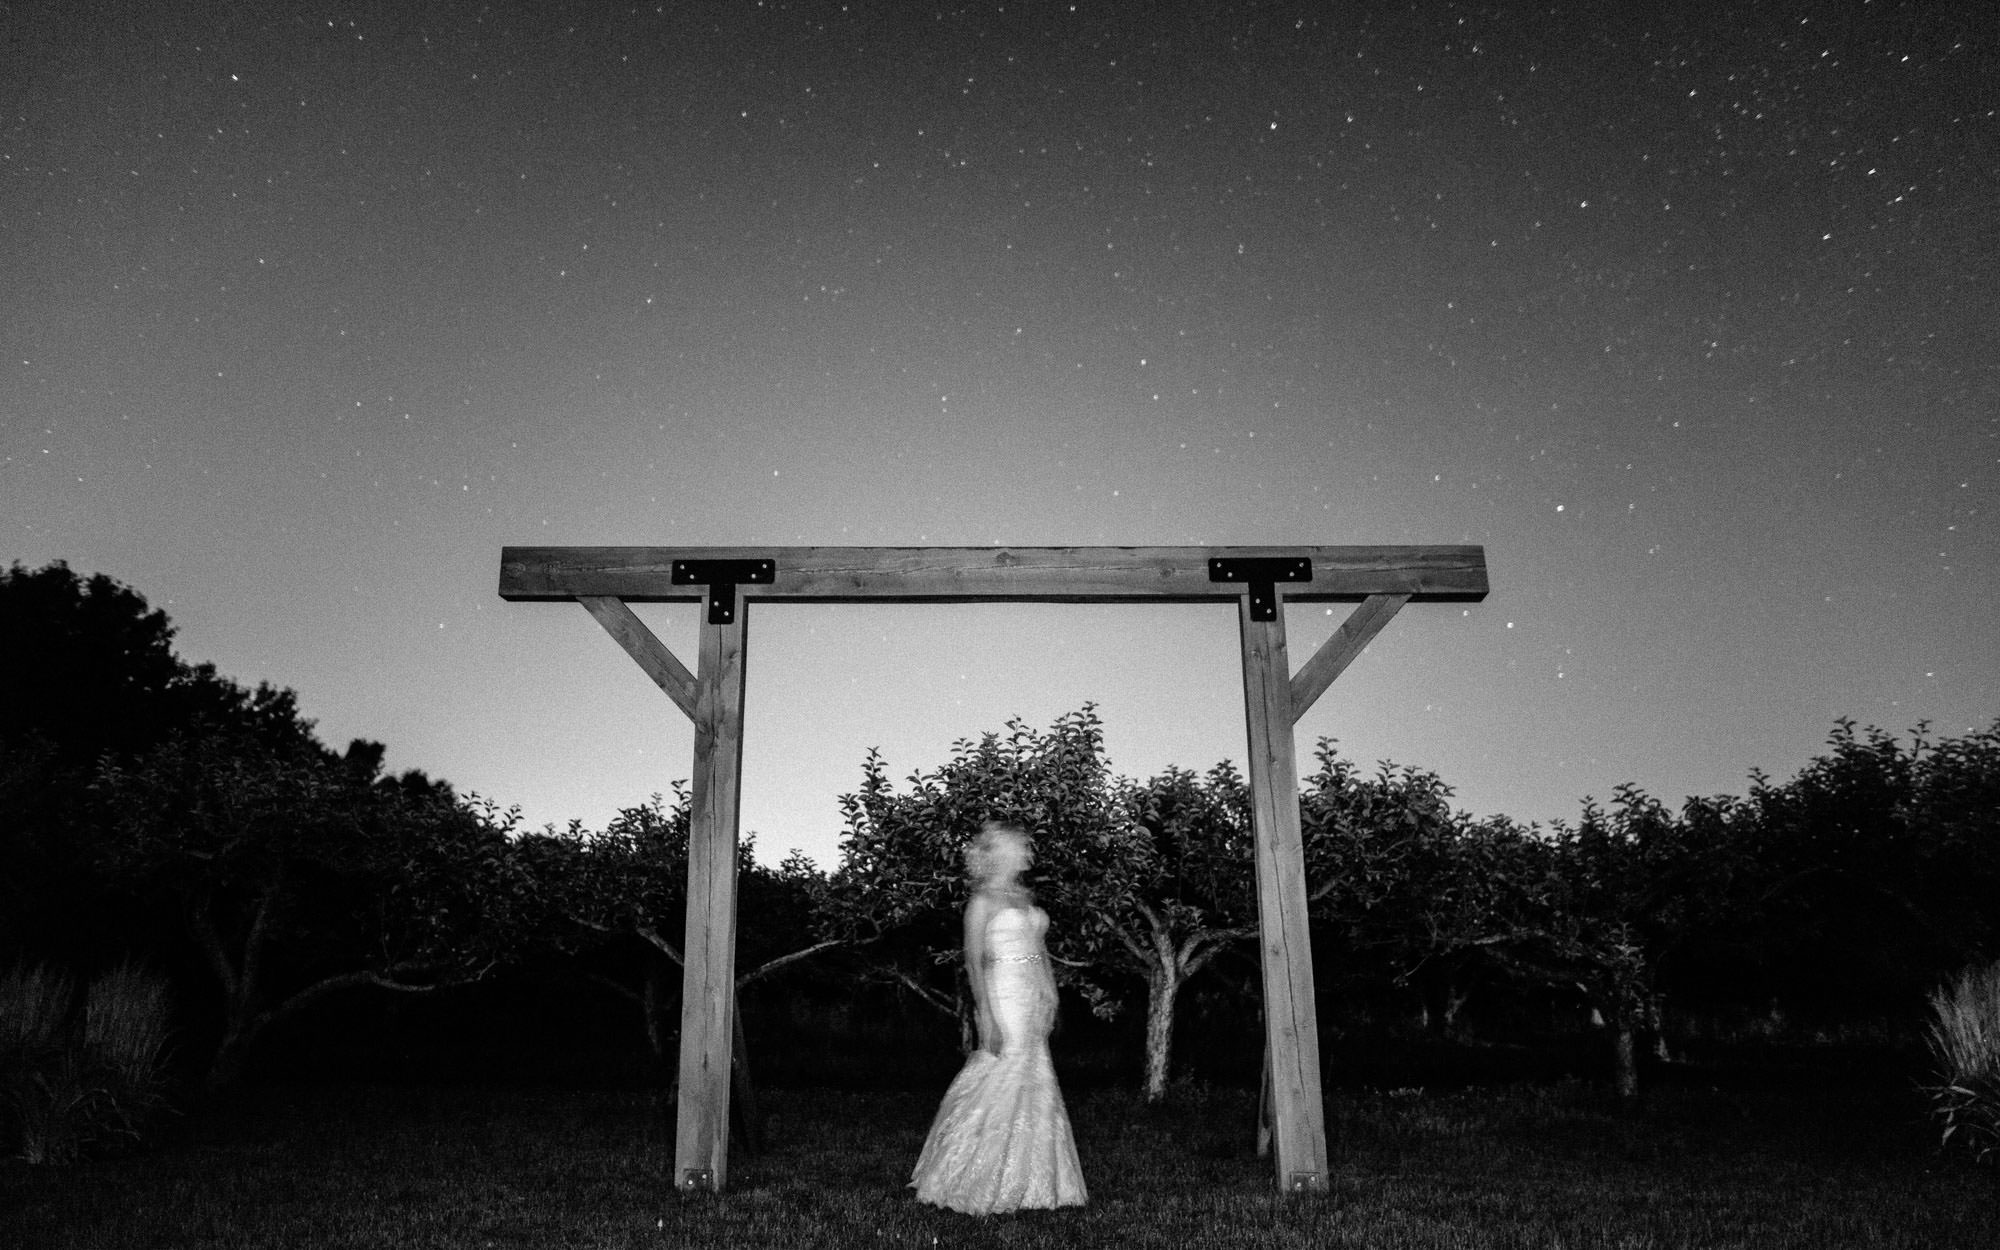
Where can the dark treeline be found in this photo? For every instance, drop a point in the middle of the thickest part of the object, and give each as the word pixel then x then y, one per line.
pixel 317 918
pixel 154 809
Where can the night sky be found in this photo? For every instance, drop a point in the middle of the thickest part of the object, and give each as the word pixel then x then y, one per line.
pixel 1690 320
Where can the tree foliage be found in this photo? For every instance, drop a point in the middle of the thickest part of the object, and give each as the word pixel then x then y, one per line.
pixel 1877 866
pixel 88 672
pixel 1403 892
pixel 629 881
pixel 90 667
pixel 146 802
pixel 1143 883
pixel 297 872
pixel 901 886
pixel 150 803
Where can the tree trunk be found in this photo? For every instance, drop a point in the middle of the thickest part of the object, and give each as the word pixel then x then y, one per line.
pixel 1163 987
pixel 743 1094
pixel 1626 1061
pixel 1442 1000
pixel 1264 1105
pixel 649 1004
pixel 227 1066
pixel 967 1015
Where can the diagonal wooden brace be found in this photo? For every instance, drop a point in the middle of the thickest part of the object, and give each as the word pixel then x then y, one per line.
pixel 1339 651
pixel 644 646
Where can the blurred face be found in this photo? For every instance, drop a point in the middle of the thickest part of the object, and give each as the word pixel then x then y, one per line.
pixel 1008 855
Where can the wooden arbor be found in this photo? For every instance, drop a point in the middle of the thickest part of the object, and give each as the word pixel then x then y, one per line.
pixel 1259 579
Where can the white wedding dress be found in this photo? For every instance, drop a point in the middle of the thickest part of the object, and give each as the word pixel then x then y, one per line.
pixel 1001 1140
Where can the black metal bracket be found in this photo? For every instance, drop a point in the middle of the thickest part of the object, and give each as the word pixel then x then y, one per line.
pixel 722 577
pixel 1261 573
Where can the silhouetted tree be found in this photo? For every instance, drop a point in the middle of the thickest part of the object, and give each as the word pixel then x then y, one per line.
pixel 1402 891
pixel 629 881
pixel 297 872
pixel 1141 882
pixel 1878 867
pixel 87 671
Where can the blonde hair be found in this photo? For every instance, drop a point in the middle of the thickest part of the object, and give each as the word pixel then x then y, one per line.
pixel 981 852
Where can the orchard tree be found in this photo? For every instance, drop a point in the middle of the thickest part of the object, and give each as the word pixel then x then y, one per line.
pixel 1608 905
pixel 298 873
pixel 1880 866
pixel 900 888
pixel 87 670
pixel 1405 890
pixel 1140 881
pixel 90 667
pixel 630 881
pixel 1443 902
pixel 1596 930
pixel 1193 896
pixel 1955 803
pixel 1704 916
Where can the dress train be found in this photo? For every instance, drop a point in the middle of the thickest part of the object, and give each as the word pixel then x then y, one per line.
pixel 1001 1139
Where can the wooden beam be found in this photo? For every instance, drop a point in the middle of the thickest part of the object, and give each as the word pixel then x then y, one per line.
pixel 1283 942
pixel 708 970
pixel 643 645
pixel 993 574
pixel 1339 651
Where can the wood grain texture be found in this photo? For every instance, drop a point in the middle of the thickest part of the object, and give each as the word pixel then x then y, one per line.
pixel 708 971
pixel 643 645
pixel 1339 651
pixel 994 574
pixel 1284 945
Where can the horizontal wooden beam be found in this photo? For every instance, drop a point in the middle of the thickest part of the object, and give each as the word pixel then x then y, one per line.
pixel 995 574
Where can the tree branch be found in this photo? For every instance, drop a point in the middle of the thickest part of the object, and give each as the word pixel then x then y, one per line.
pixel 202 921
pixel 253 942
pixel 770 966
pixel 1206 945
pixel 949 1006
pixel 652 935
pixel 346 980
pixel 1140 955
pixel 616 986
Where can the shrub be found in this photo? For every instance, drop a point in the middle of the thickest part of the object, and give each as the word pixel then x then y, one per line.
pixel 1965 1040
pixel 69 1081
pixel 125 1017
pixel 35 1003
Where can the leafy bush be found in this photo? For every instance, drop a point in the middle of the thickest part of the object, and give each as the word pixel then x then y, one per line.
pixel 36 1008
pixel 68 1080
pixel 35 1003
pixel 125 1014
pixel 1965 1040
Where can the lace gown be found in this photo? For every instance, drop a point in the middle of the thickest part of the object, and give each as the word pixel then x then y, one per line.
pixel 1001 1139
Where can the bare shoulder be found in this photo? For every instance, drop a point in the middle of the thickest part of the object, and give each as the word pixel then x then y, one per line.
pixel 979 912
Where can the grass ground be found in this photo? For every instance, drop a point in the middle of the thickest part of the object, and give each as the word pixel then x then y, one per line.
pixel 1521 1166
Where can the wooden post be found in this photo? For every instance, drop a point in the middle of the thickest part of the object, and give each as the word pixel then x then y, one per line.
pixel 1283 942
pixel 708 985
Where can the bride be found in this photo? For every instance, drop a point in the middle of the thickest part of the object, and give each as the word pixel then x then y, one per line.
pixel 1001 1139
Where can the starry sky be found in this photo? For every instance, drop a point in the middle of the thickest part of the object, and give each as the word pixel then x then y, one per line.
pixel 1688 318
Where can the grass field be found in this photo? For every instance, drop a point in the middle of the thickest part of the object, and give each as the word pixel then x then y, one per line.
pixel 1521 1166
